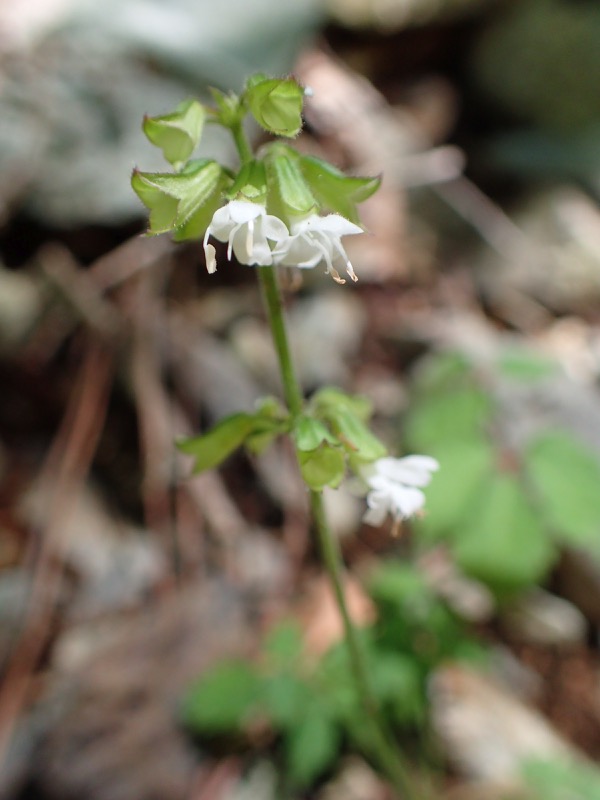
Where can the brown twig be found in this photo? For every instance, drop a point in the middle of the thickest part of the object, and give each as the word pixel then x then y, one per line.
pixel 62 475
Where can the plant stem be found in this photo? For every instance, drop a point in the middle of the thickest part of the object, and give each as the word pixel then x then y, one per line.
pixel 242 144
pixel 274 305
pixel 382 749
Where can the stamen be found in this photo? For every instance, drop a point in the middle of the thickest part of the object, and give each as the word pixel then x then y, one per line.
pixel 250 237
pixel 350 271
pixel 211 261
pixel 336 275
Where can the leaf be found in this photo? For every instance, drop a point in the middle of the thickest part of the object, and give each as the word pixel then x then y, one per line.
pixel 504 543
pixel 565 480
pixel 396 683
pixel 324 466
pixel 223 699
pixel 311 747
pixel 286 698
pixel 524 365
pixel 450 416
pixel 213 447
pixel 465 466
pixel 178 133
pixel 561 779
pixel 276 104
pixel 283 644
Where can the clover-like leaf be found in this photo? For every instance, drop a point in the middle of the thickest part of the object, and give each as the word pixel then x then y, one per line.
pixel 504 543
pixel 223 699
pixel 276 104
pixel 565 479
pixel 177 133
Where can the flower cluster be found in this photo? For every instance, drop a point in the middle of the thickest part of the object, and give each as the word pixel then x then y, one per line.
pixel 395 486
pixel 248 229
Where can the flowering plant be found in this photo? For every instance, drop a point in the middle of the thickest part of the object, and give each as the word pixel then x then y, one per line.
pixel 284 209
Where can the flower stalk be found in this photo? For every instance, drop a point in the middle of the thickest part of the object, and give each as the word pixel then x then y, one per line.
pixel 382 750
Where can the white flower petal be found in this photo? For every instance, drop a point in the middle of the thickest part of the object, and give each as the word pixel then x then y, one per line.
pixel 394 485
pixel 242 211
pixel 273 228
pixel 335 225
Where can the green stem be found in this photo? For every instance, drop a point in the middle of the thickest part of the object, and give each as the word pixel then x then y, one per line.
pixel 274 305
pixel 382 749
pixel 242 144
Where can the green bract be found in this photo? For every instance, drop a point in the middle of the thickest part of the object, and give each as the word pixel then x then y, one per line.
pixel 178 133
pixel 289 195
pixel 335 191
pixel 250 183
pixel 276 104
pixel 230 109
pixel 184 201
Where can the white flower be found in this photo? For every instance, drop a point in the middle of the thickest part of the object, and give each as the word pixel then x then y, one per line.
pixel 395 487
pixel 247 227
pixel 315 239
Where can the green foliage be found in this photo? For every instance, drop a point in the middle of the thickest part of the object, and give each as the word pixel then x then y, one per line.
pixel 256 430
pixel 565 480
pixel 504 513
pixel 561 780
pixel 312 707
pixel 223 699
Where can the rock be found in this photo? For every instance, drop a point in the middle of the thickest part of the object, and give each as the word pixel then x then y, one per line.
pixel 539 617
pixel 116 735
pixel 485 731
pixel 355 781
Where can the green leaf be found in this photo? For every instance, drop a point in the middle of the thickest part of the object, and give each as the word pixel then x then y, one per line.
pixel 396 683
pixel 178 133
pixel 561 779
pixel 324 466
pixel 449 416
pixel 443 372
pixel 213 447
pixel 335 191
pixel 285 698
pixel 565 480
pixel 522 364
pixel 174 199
pixel 276 104
pixel 223 699
pixel 309 433
pixel 311 747
pixel 283 644
pixel 466 465
pixel 504 543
